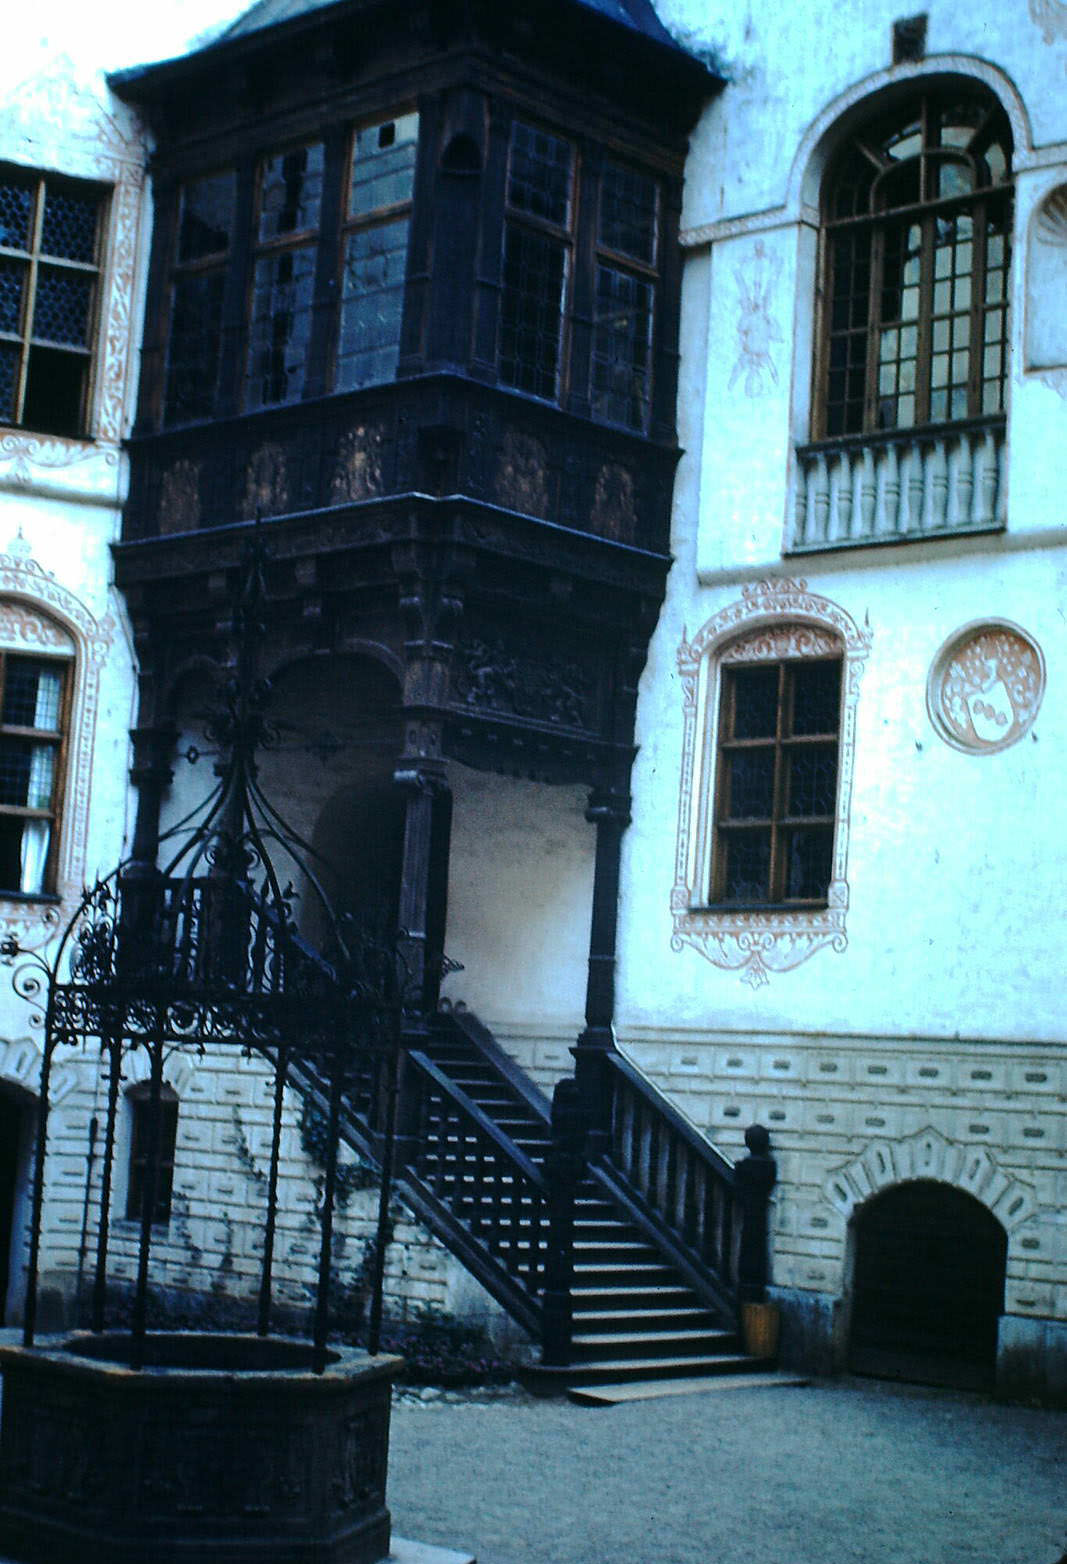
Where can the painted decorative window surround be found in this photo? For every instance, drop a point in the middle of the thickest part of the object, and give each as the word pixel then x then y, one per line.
pixel 985 687
pixel 914 329
pixel 781 623
pixel 54 128
pixel 45 627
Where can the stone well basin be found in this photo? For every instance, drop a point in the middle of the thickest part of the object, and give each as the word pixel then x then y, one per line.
pixel 223 1448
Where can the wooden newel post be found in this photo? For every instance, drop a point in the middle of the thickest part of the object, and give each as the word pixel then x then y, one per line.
pixel 564 1169
pixel 756 1176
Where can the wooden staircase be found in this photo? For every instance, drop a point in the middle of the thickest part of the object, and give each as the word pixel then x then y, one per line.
pixel 634 1314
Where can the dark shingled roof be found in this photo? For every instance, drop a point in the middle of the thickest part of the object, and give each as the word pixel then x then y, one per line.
pixel 639 15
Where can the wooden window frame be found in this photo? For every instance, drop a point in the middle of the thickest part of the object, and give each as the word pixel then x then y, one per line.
pixel 59 740
pixel 779 824
pixel 34 257
pixel 638 269
pixel 988 201
pixel 351 223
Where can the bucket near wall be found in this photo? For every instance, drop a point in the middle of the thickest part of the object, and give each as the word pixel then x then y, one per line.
pixel 759 1329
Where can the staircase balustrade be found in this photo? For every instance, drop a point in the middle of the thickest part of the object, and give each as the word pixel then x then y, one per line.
pixel 494 1199
pixel 674 1178
pixel 904 484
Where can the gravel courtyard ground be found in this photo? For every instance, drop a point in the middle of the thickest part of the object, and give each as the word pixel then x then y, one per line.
pixel 841 1472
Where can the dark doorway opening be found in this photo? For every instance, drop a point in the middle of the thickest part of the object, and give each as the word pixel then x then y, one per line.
pixel 11 1136
pixel 928 1287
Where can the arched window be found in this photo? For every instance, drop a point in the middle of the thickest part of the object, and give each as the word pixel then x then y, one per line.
pixel 916 227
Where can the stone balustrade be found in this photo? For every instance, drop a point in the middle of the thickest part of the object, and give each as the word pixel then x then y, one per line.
pixel 904 485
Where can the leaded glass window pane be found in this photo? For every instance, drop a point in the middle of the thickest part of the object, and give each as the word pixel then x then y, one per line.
pixel 280 329
pixel 628 211
pixel 539 174
pixel 47 300
pixel 372 305
pixel 535 268
pixel 193 358
pixel 206 216
pixel 622 348
pixel 383 165
pixel 291 192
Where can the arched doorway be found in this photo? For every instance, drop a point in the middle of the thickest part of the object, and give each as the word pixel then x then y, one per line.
pixel 928 1286
pixel 13 1145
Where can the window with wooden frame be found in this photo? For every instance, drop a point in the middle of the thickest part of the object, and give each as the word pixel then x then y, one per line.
pixel 289 202
pixel 34 717
pixel 205 234
pixel 916 236
pixel 538 243
pixel 50 252
pixel 381 185
pixel 627 241
pixel 141 1127
pixel 776 782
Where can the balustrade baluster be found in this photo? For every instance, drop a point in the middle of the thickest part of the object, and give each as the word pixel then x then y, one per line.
pixel 820 486
pixel 889 520
pixel 964 480
pixel 843 491
pixel 915 488
pixel 868 483
pixel 997 460
pixel 800 502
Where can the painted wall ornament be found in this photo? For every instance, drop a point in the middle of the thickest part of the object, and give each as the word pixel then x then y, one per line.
pixel 772 619
pixel 985 687
pixel 757 330
pixel 1051 17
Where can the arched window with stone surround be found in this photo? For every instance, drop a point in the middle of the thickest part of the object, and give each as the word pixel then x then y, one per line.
pixel 916 227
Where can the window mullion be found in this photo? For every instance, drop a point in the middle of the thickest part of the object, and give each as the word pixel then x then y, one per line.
pixel 777 876
pixel 925 347
pixel 976 329
pixel 874 326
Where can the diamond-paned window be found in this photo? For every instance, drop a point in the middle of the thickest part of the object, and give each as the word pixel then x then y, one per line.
pixel 50 238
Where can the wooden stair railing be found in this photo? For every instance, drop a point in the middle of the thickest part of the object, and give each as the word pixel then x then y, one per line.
pixel 482 1195
pixel 674 1185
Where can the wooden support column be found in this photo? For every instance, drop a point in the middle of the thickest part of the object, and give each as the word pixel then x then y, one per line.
pixel 151 775
pixel 609 811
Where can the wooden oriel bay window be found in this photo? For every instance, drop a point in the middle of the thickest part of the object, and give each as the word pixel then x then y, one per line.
pixel 542 240
pixel 34 694
pixel 50 240
pixel 776 784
